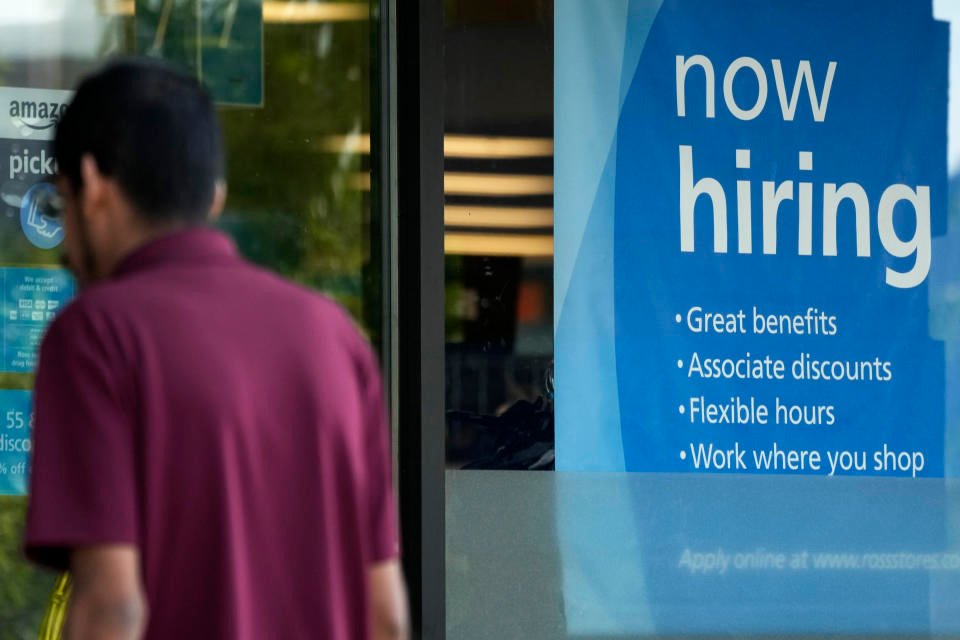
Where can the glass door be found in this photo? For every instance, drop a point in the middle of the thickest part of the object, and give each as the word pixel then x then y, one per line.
pixel 294 83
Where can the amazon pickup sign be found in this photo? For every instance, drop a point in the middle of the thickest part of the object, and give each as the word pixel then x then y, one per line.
pixel 31 113
pixel 32 290
pixel 28 121
pixel 771 202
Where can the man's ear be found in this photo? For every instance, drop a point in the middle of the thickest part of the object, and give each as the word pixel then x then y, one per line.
pixel 219 200
pixel 94 184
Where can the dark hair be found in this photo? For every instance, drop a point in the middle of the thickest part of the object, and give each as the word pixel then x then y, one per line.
pixel 153 130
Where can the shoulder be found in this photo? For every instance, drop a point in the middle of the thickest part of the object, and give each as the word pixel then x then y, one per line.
pixel 322 310
pixel 76 319
pixel 327 315
pixel 97 304
pixel 329 322
pixel 88 323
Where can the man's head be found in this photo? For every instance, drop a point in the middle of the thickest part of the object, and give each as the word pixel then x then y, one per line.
pixel 139 154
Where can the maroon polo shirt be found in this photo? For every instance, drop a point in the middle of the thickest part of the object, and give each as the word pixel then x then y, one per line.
pixel 231 426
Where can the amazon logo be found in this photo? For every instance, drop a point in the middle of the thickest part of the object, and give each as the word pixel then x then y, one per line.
pixel 37 115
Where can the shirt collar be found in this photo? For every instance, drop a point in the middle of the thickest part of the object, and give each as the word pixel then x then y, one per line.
pixel 189 246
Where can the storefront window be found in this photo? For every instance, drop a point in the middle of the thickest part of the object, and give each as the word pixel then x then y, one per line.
pixel 701 356
pixel 498 218
pixel 296 113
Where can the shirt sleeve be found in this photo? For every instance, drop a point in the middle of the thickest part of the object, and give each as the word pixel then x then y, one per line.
pixel 383 539
pixel 82 482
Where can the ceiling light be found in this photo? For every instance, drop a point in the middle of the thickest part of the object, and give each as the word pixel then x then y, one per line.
pixel 117 7
pixel 497 217
pixel 351 143
pixel 465 146
pixel 360 181
pixel 480 184
pixel 495 184
pixel 498 244
pixel 274 11
pixel 455 146
pixel 307 12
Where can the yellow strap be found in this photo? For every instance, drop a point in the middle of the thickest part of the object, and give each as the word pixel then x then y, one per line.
pixel 51 628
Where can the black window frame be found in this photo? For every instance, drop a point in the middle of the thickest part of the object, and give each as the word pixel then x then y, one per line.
pixel 410 162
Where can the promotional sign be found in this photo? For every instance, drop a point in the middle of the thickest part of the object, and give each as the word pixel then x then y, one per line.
pixel 745 240
pixel 32 297
pixel 28 119
pixel 33 290
pixel 30 241
pixel 16 425
pixel 755 314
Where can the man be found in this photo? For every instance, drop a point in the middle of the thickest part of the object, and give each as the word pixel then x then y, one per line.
pixel 211 453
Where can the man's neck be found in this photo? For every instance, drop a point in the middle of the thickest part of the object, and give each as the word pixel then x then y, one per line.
pixel 134 238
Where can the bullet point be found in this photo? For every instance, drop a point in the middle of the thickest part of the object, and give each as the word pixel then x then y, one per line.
pixel 683 455
pixel 679 364
pixel 683 409
pixel 678 318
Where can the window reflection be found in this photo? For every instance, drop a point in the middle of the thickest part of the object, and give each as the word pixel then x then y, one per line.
pixel 498 218
pixel 293 206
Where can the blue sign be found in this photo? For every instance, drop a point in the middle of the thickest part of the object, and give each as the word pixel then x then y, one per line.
pixel 32 297
pixel 16 426
pixel 755 278
pixel 42 231
pixel 747 206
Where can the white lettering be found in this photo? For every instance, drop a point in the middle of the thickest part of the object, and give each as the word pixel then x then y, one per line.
pixel 773 196
pixel 682 67
pixel 918 245
pixel 832 197
pixel 689 194
pixel 761 101
pixel 804 74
